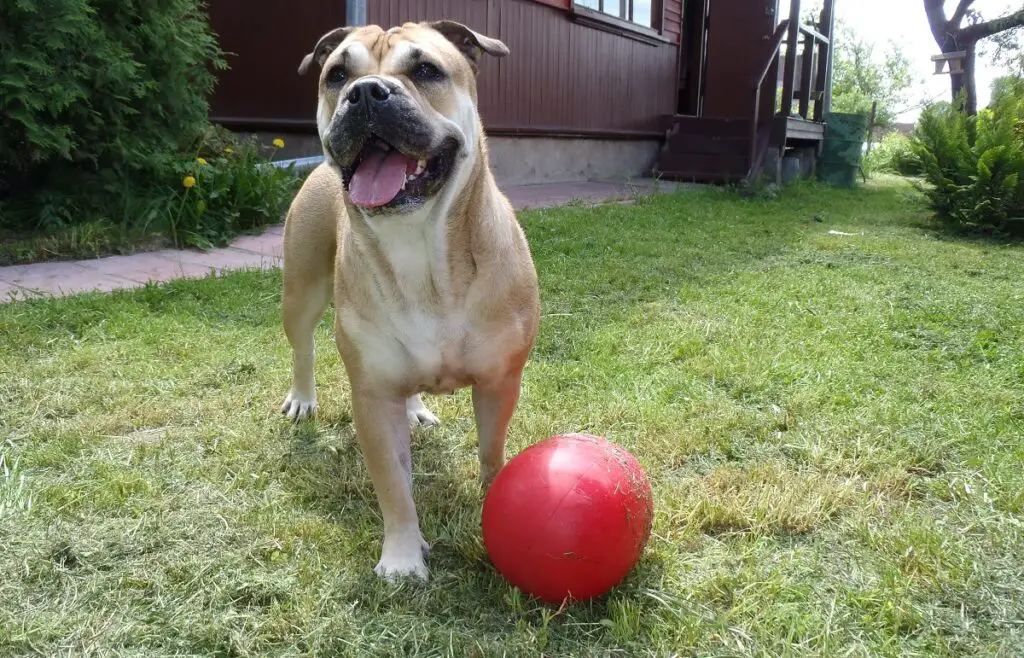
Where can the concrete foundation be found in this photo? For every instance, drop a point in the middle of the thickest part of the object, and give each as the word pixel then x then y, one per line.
pixel 529 160
pixel 535 160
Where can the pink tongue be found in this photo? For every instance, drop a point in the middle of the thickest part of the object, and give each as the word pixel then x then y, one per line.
pixel 378 179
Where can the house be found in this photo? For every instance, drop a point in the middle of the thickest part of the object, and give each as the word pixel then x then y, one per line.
pixel 684 89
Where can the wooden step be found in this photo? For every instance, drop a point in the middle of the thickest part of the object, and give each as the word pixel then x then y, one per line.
pixel 688 125
pixel 707 144
pixel 703 162
pixel 699 176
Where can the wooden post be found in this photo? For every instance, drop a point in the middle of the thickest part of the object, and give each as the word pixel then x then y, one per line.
pixel 806 75
pixel 828 22
pixel 871 135
pixel 789 79
pixel 871 127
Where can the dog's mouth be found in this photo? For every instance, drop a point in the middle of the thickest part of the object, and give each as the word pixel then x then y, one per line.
pixel 383 177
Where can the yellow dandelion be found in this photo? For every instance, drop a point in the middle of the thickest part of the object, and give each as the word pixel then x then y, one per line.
pixel 279 143
pixel 188 181
pixel 202 161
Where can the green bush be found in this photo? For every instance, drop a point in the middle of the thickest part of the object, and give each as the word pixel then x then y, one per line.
pixel 893 154
pixel 103 114
pixel 974 165
pixel 87 86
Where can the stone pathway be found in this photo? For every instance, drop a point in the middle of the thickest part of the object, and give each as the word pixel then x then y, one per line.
pixel 252 251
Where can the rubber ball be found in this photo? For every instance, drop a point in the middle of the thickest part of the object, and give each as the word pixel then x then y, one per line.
pixel 568 517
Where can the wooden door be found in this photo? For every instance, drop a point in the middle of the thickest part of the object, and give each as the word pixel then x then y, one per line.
pixel 738 38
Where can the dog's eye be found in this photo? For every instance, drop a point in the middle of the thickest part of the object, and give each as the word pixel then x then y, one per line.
pixel 427 72
pixel 336 76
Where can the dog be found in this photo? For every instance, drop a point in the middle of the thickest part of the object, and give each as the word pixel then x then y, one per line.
pixel 433 282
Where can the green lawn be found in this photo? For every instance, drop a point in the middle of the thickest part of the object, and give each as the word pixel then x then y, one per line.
pixel 832 425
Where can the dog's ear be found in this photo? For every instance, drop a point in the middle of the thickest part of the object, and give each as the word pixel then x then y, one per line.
pixel 470 43
pixel 324 47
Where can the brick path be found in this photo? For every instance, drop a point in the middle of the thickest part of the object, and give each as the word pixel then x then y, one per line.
pixel 253 251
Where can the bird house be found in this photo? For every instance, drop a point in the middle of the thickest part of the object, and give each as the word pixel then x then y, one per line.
pixel 955 59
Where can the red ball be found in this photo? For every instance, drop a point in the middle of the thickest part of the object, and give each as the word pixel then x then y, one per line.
pixel 568 517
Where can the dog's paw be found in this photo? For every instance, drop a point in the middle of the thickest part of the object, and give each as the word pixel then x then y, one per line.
pixel 418 414
pixel 423 417
pixel 299 407
pixel 403 560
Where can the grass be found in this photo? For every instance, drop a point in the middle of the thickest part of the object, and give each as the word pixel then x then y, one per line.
pixel 832 425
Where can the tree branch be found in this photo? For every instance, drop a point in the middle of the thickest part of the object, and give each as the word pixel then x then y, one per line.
pixel 973 33
pixel 936 12
pixel 958 15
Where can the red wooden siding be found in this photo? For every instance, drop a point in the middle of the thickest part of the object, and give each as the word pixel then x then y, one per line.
pixel 672 19
pixel 561 77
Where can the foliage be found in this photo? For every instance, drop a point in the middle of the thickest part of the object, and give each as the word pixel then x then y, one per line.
pixel 87 85
pixel 893 154
pixel 233 190
pixel 974 165
pixel 1007 51
pixel 862 76
pixel 225 190
pixel 103 112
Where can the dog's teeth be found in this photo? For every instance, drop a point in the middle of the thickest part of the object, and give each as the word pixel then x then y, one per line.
pixel 420 166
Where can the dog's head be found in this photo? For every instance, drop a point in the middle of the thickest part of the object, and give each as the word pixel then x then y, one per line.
pixel 397 109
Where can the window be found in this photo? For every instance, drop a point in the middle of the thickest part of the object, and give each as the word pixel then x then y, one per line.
pixel 638 12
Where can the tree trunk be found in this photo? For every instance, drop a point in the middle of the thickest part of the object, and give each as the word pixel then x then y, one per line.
pixel 970 84
pixel 951 37
pixel 965 82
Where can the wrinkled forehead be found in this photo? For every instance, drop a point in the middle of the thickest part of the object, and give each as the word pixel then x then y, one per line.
pixel 371 49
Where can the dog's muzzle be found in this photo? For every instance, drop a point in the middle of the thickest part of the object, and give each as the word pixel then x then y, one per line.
pixel 389 154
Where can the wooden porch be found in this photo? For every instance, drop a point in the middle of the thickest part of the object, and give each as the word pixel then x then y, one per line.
pixel 725 130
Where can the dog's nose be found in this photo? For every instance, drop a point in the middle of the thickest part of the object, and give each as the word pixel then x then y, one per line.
pixel 369 92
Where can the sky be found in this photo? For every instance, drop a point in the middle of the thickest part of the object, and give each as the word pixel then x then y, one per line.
pixel 904 22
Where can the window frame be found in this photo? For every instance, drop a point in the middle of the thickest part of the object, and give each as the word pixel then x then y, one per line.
pixel 608 23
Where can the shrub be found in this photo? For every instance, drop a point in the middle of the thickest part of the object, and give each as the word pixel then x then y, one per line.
pixel 88 85
pixel 894 154
pixel 103 113
pixel 974 165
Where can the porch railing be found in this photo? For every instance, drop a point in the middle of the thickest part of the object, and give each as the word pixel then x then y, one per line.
pixel 777 39
pixel 813 50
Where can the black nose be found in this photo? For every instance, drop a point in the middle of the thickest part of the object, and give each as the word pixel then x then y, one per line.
pixel 369 92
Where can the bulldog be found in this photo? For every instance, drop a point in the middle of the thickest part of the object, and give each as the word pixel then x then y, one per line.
pixel 432 279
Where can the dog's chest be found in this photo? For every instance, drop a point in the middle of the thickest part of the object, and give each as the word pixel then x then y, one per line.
pixel 415 332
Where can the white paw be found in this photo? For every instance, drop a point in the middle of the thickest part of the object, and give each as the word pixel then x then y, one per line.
pixel 403 559
pixel 299 407
pixel 418 414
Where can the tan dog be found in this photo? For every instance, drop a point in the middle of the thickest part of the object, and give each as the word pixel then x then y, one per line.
pixel 433 283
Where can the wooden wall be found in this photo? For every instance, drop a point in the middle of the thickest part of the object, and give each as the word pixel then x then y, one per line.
pixel 265 41
pixel 561 78
pixel 672 19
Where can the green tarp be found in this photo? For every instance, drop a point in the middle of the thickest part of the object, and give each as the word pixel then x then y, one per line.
pixel 842 150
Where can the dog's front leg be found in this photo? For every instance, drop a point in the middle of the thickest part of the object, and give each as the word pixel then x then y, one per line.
pixel 382 428
pixel 493 406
